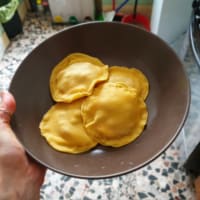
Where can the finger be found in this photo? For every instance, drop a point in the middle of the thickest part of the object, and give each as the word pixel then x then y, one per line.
pixel 33 162
pixel 38 171
pixel 7 106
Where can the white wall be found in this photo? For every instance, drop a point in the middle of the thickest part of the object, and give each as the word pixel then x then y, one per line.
pixel 170 18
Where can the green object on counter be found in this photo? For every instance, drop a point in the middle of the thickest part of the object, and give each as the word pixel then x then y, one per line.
pixel 73 20
pixel 100 17
pixel 7 11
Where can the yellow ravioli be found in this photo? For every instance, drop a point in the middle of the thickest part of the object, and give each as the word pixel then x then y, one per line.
pixel 75 77
pixel 63 129
pixel 114 115
pixel 131 77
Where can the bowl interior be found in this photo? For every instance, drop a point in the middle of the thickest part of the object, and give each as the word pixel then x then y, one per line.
pixel 114 44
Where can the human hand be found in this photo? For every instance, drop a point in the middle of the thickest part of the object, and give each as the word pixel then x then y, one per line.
pixel 20 177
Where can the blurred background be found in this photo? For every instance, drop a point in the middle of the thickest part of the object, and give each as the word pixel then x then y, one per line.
pixel 168 19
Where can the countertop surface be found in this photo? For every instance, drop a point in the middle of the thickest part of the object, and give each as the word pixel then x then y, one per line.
pixel 164 178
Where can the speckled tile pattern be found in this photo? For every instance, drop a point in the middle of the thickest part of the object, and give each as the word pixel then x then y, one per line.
pixel 164 178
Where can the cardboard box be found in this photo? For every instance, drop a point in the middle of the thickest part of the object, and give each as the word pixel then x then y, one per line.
pixel 22 9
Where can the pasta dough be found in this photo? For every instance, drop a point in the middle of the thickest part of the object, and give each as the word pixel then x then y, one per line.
pixel 94 104
pixel 114 115
pixel 63 129
pixel 131 77
pixel 75 77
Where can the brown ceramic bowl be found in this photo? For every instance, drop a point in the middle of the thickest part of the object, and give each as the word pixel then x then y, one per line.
pixel 114 44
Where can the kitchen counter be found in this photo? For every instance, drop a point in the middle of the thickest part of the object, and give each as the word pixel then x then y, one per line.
pixel 164 178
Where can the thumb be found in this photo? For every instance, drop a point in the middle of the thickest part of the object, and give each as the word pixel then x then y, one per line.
pixel 7 106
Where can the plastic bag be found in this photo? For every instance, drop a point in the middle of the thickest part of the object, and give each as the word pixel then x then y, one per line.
pixel 8 11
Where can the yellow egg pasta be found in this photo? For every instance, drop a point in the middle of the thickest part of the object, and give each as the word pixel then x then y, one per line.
pixel 94 104
pixel 114 115
pixel 131 77
pixel 75 77
pixel 63 129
